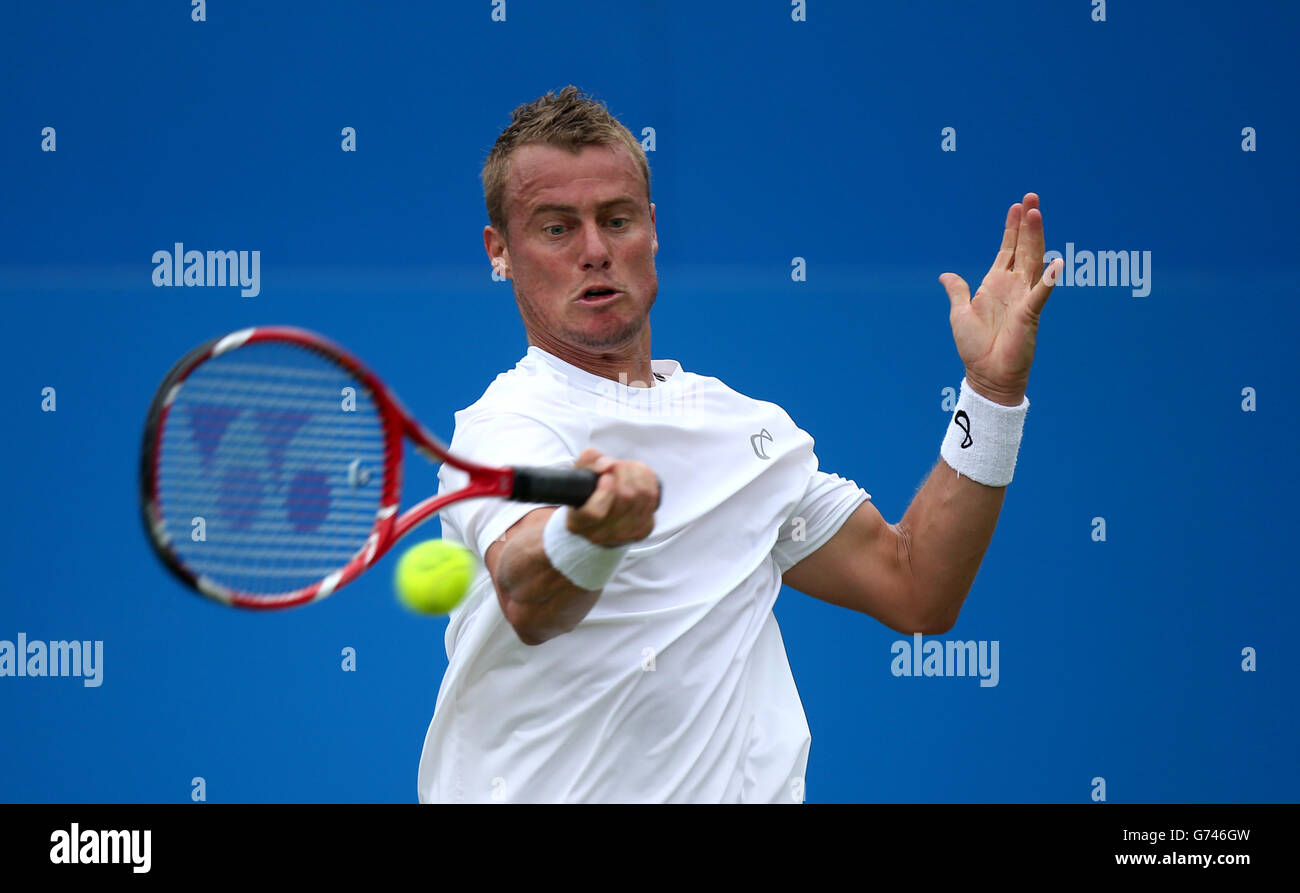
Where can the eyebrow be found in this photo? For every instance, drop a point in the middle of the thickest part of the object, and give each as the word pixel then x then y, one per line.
pixel 570 209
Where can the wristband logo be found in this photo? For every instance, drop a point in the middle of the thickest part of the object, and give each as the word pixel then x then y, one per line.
pixel 962 421
pixel 756 441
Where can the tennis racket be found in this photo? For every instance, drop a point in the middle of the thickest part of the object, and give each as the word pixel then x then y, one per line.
pixel 271 469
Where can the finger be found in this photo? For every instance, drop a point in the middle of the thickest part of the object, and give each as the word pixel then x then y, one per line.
pixel 602 516
pixel 652 490
pixel 628 510
pixel 600 502
pixel 1029 243
pixel 637 488
pixel 957 289
pixel 648 495
pixel 1037 246
pixel 638 495
pixel 1007 253
pixel 1043 290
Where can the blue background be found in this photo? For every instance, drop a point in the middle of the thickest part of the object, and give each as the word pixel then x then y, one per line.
pixel 775 139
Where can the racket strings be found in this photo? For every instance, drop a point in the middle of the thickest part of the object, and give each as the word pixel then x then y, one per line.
pixel 271 468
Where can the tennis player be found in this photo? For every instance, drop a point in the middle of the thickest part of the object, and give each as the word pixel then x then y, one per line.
pixel 626 651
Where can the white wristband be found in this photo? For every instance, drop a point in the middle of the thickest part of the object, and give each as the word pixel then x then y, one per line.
pixel 578 558
pixel 983 438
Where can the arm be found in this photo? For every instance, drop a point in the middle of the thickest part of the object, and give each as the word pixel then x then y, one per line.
pixel 913 576
pixel 863 567
pixel 946 531
pixel 540 602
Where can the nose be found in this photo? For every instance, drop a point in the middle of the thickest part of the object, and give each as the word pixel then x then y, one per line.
pixel 595 249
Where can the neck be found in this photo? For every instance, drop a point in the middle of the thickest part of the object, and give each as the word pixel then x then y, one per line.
pixel 628 364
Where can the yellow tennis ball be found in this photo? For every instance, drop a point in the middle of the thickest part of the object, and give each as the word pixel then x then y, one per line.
pixel 434 576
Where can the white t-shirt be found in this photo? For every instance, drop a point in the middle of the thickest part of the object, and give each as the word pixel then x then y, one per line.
pixel 676 686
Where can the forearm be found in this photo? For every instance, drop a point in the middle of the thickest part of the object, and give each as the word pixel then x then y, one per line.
pixel 539 601
pixel 946 531
pixel 540 598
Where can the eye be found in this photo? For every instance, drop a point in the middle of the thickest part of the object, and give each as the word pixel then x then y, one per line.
pixel 553 226
pixel 624 219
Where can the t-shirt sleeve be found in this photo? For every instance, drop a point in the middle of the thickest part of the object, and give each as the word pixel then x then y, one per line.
pixel 825 506
pixel 496 438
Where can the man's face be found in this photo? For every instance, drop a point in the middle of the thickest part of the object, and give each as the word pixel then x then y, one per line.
pixel 578 221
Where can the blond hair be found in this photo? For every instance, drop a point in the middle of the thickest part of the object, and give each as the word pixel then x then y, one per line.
pixel 569 120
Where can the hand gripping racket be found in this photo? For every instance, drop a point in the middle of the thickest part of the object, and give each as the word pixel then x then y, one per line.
pixel 271 469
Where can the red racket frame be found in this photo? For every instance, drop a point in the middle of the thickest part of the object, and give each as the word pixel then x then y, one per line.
pixel 397 424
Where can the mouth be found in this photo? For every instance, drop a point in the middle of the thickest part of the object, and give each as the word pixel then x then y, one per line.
pixel 598 295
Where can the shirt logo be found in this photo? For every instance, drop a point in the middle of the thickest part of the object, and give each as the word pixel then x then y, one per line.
pixel 756 441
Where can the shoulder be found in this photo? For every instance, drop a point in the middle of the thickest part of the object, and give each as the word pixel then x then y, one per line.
pixel 528 385
pixel 523 404
pixel 724 396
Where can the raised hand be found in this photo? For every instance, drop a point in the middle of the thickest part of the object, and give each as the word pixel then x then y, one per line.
pixel 995 331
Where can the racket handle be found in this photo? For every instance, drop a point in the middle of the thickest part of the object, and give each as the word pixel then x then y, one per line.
pixel 565 486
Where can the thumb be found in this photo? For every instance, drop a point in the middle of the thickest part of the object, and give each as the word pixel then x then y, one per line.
pixel 957 289
pixel 595 460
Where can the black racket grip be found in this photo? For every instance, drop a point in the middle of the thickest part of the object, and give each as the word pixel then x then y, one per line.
pixel 563 486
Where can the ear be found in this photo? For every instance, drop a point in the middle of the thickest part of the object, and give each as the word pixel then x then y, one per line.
pixel 493 243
